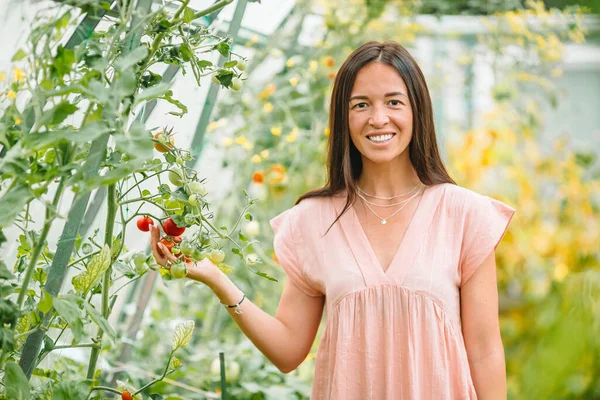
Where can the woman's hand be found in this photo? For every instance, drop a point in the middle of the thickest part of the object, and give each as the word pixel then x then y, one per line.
pixel 202 271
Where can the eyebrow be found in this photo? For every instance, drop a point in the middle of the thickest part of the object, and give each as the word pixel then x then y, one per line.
pixel 390 94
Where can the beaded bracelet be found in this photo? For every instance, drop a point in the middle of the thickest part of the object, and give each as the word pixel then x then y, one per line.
pixel 238 310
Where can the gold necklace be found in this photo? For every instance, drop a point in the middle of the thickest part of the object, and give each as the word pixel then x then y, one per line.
pixel 384 220
pixel 382 205
pixel 387 198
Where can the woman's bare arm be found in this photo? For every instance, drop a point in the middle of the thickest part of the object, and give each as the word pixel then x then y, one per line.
pixel 284 339
pixel 481 331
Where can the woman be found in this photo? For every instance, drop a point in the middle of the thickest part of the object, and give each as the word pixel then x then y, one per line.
pixel 402 257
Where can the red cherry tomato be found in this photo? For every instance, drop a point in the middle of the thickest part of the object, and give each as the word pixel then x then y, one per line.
pixel 143 223
pixel 171 228
pixel 169 242
pixel 126 396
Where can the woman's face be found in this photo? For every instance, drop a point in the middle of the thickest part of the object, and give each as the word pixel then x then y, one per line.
pixel 380 116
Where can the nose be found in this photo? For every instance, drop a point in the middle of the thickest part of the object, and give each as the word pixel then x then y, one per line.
pixel 378 118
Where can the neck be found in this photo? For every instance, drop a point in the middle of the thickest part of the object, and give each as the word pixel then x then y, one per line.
pixel 389 179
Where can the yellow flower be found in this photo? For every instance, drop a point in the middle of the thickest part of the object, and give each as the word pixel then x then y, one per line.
pixel 247 146
pixel 2 75
pixel 215 124
pixel 294 82
pixel 556 72
pixel 289 63
pixel 241 140
pixel 268 107
pixel 326 132
pixel 276 131
pixel 560 271
pixel 313 65
pixel 292 136
pixel 269 90
pixel 576 36
pixel 11 94
pixel 227 142
pixel 541 42
pixel 255 39
pixel 256 159
pixel 18 121
pixel 328 61
pixel 264 154
pixel 19 74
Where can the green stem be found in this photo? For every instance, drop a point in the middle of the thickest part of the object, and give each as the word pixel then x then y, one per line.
pixel 160 378
pixel 108 237
pixel 76 346
pixel 83 258
pixel 106 388
pixel 37 250
pixel 147 198
pixel 212 8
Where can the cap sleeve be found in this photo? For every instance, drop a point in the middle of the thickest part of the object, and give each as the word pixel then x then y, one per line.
pixel 486 221
pixel 286 247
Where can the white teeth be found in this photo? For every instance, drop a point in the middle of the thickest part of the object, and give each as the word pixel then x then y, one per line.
pixel 381 138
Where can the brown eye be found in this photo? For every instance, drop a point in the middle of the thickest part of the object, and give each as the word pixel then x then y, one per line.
pixel 360 105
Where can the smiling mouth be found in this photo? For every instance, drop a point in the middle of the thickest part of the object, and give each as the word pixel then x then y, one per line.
pixel 381 138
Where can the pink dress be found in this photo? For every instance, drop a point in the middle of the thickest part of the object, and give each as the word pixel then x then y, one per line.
pixel 392 334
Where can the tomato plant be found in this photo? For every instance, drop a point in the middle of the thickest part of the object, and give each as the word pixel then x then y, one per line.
pixel 79 132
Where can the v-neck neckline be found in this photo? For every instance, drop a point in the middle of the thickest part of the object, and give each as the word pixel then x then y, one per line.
pixel 407 250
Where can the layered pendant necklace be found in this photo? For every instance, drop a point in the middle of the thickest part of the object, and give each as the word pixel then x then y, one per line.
pixel 402 203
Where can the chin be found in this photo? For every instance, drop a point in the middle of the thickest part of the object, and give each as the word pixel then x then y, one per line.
pixel 385 157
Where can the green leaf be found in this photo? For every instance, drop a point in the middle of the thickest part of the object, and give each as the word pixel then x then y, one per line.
pixel 185 52
pixel 70 390
pixel 9 312
pixel 262 274
pixel 90 132
pixel 12 203
pixel 17 386
pixel 87 280
pixel 68 309
pixel 188 15
pixel 100 321
pixel 136 142
pixel 153 92
pixel 183 334
pixel 57 114
pixel 4 272
pixel 202 64
pixel 168 97
pixel 45 303
pixel 18 56
pixel 225 76
pixel 237 251
pixel 248 216
pixel 230 64
pixel 243 237
pixel 126 84
pixel 137 55
pixel 222 48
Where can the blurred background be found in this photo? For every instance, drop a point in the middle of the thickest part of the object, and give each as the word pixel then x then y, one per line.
pixel 515 87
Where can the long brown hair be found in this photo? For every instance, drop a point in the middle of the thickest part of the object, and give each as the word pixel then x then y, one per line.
pixel 344 163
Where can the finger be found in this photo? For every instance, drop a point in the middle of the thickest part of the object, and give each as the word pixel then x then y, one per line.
pixel 153 243
pixel 169 256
